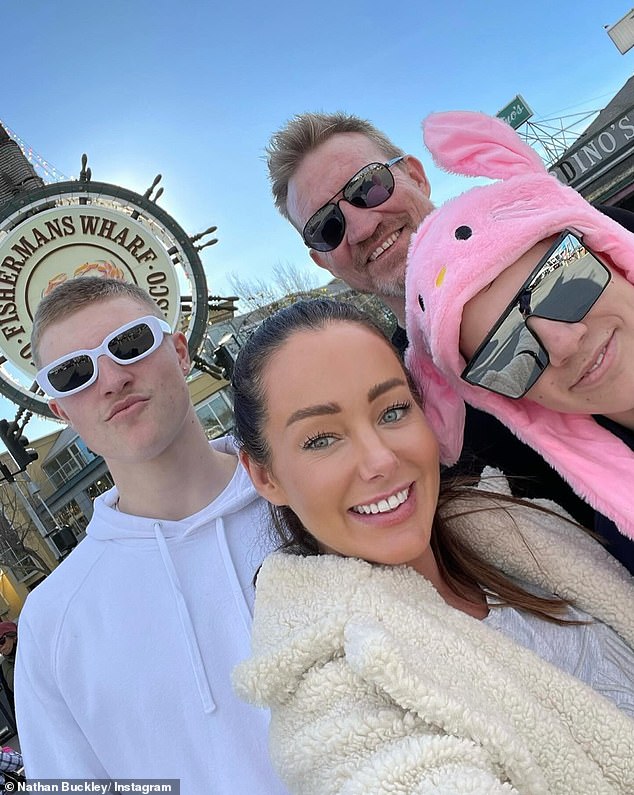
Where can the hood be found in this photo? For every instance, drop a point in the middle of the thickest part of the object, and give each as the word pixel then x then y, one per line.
pixel 458 250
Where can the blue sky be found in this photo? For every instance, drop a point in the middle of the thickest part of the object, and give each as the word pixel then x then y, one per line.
pixel 194 89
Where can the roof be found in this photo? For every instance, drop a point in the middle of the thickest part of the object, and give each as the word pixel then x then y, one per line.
pixel 16 173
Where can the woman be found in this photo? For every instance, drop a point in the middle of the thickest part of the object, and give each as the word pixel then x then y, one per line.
pixel 405 644
pixel 520 301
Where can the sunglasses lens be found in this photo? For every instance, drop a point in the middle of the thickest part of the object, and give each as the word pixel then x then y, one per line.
pixel 569 283
pixel 563 288
pixel 511 360
pixel 71 374
pixel 324 230
pixel 372 186
pixel 132 343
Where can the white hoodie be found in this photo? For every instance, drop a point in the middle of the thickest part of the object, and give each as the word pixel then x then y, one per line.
pixel 126 651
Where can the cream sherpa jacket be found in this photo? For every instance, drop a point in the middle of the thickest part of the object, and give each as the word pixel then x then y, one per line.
pixel 376 685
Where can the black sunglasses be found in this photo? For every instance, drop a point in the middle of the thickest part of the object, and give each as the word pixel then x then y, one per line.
pixel 564 286
pixel 4 637
pixel 370 187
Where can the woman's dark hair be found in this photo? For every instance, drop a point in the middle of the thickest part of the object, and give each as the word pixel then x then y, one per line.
pixel 461 568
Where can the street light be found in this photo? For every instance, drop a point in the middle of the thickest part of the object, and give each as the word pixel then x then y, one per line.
pixel 17 445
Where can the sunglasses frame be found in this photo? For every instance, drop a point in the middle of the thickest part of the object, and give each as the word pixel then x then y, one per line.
pixel 515 303
pixel 335 204
pixel 157 326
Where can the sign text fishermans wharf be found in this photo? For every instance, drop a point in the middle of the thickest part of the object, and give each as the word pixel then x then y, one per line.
pixel 66 242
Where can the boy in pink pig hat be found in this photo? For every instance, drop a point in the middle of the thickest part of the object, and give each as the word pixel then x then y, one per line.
pixel 520 301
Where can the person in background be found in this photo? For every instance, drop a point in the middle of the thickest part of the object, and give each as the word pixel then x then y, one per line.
pixel 8 648
pixel 521 302
pixel 408 642
pixel 11 762
pixel 126 648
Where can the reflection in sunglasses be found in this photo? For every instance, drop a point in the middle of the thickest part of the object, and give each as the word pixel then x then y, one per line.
pixel 563 287
pixel 370 187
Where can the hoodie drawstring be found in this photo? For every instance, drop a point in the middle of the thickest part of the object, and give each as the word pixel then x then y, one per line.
pixel 191 641
pixel 230 568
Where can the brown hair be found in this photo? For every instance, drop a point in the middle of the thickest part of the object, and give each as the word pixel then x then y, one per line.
pixel 74 294
pixel 462 569
pixel 306 132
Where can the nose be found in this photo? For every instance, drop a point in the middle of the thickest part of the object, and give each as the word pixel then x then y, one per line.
pixel 360 223
pixel 112 377
pixel 376 458
pixel 561 340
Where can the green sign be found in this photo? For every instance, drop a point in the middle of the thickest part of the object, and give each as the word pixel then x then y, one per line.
pixel 515 113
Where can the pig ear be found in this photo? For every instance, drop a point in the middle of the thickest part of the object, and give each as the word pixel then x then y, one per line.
pixel 443 407
pixel 477 145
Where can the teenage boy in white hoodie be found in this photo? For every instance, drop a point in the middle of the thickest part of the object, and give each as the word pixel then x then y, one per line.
pixel 126 649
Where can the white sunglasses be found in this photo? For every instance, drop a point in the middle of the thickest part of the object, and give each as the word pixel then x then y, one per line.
pixel 78 370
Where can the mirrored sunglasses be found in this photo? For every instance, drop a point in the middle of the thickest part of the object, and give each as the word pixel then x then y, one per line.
pixel 564 286
pixel 370 187
pixel 78 370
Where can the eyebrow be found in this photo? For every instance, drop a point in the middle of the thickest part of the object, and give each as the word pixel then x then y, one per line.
pixel 385 386
pixel 320 409
pixel 313 411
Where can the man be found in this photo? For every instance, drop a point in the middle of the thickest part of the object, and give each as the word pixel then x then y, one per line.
pixel 127 647
pixel 8 647
pixel 362 237
pixel 521 303
pixel 311 160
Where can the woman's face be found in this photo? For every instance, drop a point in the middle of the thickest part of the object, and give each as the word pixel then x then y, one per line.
pixel 590 370
pixel 352 453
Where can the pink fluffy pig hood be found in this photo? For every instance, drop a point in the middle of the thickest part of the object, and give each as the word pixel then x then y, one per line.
pixel 458 250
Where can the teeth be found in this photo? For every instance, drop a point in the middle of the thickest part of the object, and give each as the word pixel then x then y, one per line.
pixel 384 246
pixel 598 361
pixel 383 506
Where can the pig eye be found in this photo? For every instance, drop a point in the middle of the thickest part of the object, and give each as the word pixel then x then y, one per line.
pixel 421 303
pixel 463 233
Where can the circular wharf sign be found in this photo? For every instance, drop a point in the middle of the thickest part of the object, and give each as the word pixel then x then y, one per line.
pixel 84 228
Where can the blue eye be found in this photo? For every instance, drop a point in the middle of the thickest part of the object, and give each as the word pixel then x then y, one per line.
pixel 396 412
pixel 318 442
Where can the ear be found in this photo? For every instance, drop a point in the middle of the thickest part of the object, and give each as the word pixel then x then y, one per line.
pixel 58 411
pixel 263 480
pixel 416 172
pixel 182 349
pixel 319 259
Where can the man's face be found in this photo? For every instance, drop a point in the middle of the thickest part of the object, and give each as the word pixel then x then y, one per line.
pixel 132 413
pixel 7 646
pixel 373 253
pixel 590 370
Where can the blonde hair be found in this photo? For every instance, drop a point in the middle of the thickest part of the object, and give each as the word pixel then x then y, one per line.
pixel 72 295
pixel 306 132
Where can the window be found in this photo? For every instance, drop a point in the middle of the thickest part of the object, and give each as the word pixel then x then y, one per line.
pixel 68 463
pixel 20 562
pixel 97 487
pixel 72 515
pixel 216 415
